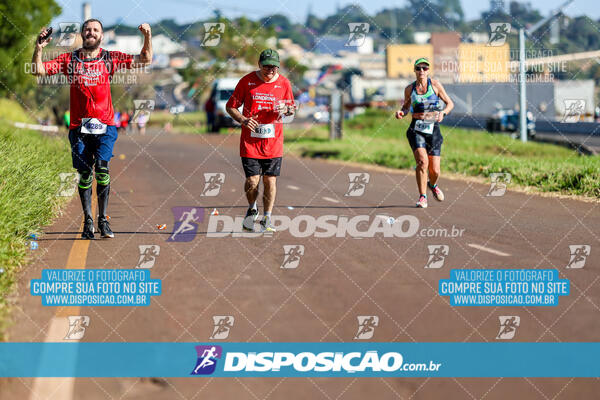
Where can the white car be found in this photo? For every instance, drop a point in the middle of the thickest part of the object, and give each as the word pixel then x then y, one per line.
pixel 222 89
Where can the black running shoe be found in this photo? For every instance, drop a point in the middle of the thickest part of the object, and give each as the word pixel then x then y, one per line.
pixel 88 229
pixel 249 219
pixel 104 228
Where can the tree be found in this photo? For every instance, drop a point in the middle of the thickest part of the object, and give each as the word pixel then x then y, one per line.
pixel 523 14
pixel 19 27
pixel 444 13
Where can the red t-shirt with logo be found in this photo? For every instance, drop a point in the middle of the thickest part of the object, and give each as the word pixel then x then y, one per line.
pixel 260 99
pixel 90 84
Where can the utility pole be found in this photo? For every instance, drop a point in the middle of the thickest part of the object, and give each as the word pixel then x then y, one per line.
pixel 522 62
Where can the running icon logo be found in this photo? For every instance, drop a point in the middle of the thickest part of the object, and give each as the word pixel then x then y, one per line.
pixel 508 327
pixel 291 255
pixel 212 33
pixel 212 183
pixel 223 324
pixel 68 33
pixel 68 183
pixel 208 357
pixel 142 108
pixel 77 325
pixel 358 33
pixel 366 326
pixel 500 181
pixel 499 33
pixel 358 183
pixel 579 254
pixel 186 223
pixel 574 109
pixel 437 255
pixel 148 254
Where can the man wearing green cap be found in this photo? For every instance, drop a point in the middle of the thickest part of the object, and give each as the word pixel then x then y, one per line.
pixel 425 97
pixel 266 97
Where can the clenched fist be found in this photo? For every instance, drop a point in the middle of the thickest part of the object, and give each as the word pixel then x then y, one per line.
pixel 145 29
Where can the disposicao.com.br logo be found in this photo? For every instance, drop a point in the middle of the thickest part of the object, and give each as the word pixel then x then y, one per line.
pixel 326 226
pixel 326 363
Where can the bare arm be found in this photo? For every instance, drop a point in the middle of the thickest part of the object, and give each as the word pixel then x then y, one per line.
pixel 237 115
pixel 441 92
pixel 406 105
pixel 145 56
pixel 37 66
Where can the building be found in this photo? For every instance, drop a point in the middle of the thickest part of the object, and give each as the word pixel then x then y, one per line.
pixel 400 59
pixel 547 101
pixel 336 44
pixel 482 63
pixel 452 61
pixel 445 55
pixel 132 44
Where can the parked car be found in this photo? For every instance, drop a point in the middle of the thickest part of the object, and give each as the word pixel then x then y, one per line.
pixel 508 121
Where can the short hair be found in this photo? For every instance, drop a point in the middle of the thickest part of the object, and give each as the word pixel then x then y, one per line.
pixel 92 20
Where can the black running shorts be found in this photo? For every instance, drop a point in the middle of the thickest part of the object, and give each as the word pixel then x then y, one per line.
pixel 261 166
pixel 431 142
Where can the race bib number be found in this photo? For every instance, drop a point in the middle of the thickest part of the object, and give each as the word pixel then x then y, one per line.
pixel 264 131
pixel 92 126
pixel 424 127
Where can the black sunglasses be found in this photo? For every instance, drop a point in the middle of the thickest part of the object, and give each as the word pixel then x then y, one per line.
pixel 421 68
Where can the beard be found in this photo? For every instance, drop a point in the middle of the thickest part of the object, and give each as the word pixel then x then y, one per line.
pixel 91 43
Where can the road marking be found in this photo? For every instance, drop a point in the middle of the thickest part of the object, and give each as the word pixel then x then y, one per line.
pixel 331 200
pixel 483 248
pixel 62 388
pixel 293 187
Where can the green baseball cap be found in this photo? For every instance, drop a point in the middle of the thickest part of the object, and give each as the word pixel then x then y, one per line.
pixel 269 57
pixel 422 60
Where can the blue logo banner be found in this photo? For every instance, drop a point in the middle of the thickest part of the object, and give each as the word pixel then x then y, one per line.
pixel 300 359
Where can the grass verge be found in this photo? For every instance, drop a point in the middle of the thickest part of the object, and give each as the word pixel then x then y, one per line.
pixel 29 183
pixel 377 138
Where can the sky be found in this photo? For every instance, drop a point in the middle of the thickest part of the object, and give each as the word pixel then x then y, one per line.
pixel 133 12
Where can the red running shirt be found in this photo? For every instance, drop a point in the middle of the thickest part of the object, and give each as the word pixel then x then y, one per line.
pixel 90 84
pixel 259 100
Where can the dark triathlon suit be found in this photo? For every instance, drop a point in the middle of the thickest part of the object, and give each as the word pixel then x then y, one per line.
pixel 425 133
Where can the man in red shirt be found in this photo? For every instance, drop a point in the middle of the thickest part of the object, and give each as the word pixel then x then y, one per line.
pixel 92 131
pixel 266 97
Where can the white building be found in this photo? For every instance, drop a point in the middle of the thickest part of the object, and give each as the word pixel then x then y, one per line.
pixel 132 44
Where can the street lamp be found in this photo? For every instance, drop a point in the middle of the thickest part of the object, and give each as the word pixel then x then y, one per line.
pixel 522 86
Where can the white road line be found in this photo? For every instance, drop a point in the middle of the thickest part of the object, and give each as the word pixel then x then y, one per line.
pixel 293 187
pixel 483 248
pixel 56 388
pixel 60 388
pixel 330 199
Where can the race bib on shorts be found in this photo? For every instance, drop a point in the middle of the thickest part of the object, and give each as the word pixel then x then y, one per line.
pixel 92 126
pixel 424 127
pixel 264 131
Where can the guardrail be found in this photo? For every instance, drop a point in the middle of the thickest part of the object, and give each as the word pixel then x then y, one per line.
pixel 549 127
pixel 36 127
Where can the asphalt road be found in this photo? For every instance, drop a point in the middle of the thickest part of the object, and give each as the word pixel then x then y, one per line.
pixel 337 279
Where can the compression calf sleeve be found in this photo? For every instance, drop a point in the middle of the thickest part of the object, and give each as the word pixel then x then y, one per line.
pixel 102 187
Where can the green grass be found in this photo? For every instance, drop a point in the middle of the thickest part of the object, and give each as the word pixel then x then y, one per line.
pixel 196 119
pixel 377 138
pixel 29 181
pixel 12 111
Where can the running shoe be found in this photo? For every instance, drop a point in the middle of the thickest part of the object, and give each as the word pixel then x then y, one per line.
pixel 422 203
pixel 249 219
pixel 437 192
pixel 104 228
pixel 88 229
pixel 266 225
